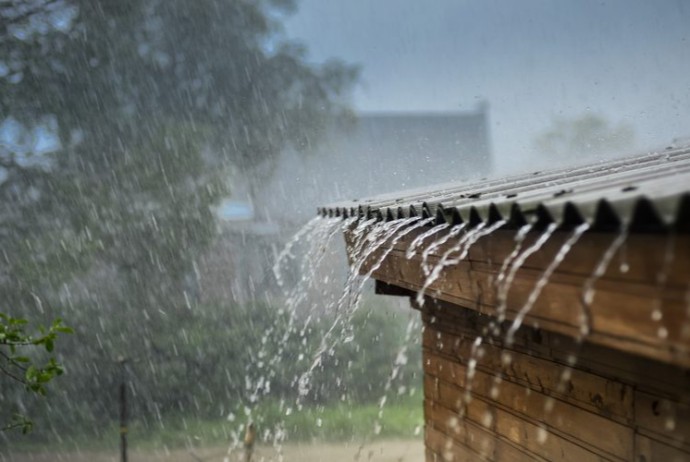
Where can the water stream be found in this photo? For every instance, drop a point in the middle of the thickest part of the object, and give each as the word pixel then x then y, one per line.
pixel 422 237
pixel 370 243
pixel 454 231
pixel 463 245
pixel 543 280
pixel 517 263
pixel 588 290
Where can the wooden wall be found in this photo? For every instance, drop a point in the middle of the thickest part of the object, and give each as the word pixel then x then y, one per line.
pixel 526 402
pixel 632 310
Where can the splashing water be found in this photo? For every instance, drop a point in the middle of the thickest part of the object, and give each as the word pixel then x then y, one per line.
pixel 472 368
pixel 390 248
pixel 369 236
pixel 543 280
pixel 313 240
pixel 588 290
pixel 454 231
pixel 286 253
pixel 422 237
pixel 465 243
pixel 661 284
pixel 400 361
pixel 519 239
pixel 515 266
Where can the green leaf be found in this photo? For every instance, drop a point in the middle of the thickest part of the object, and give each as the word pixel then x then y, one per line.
pixel 65 330
pixel 21 359
pixel 31 373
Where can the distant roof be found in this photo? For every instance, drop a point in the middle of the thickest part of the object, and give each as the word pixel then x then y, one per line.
pixel 645 192
pixel 380 152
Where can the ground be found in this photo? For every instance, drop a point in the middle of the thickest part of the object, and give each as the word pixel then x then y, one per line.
pixel 381 451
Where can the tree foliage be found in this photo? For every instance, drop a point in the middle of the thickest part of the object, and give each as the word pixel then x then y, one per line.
pixel 18 365
pixel 585 135
pixel 120 121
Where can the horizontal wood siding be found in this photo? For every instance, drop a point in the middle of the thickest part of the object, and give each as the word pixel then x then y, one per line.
pixel 531 401
pixel 640 303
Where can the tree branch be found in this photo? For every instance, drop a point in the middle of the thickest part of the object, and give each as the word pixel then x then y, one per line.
pixel 14 363
pixel 11 375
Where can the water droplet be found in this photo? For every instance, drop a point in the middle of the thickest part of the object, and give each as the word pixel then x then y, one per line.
pixel 670 424
pixel 662 333
pixel 487 419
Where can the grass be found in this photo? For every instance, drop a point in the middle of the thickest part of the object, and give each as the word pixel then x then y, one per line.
pixel 342 422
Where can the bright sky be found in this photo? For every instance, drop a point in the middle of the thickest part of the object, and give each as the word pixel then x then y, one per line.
pixel 628 60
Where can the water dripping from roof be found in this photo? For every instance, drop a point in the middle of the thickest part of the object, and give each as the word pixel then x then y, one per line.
pixel 588 290
pixel 368 237
pixel 454 231
pixel 422 237
pixel 544 279
pixel 515 266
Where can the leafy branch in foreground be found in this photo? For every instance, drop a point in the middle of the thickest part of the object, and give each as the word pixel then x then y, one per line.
pixel 22 369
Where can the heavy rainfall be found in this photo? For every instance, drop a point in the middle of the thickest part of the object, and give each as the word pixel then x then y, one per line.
pixel 321 230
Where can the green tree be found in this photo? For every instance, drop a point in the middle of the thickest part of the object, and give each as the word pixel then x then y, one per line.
pixel 144 104
pixel 17 364
pixel 585 135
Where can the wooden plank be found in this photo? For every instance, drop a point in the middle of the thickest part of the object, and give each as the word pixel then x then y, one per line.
pixel 558 415
pixel 668 419
pixel 448 449
pixel 645 375
pixel 620 319
pixel 550 446
pixel 594 393
pixel 479 439
pixel 645 255
pixel 522 433
pixel 650 450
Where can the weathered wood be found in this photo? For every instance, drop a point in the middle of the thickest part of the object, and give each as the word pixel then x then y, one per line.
pixel 644 374
pixel 640 303
pixel 479 439
pixel 592 392
pixel 648 450
pixel 621 392
pixel 524 400
pixel 558 416
pixel 666 419
pixel 447 449
pixel 622 314
pixel 510 427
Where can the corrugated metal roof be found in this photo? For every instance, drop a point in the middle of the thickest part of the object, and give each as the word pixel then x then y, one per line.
pixel 646 192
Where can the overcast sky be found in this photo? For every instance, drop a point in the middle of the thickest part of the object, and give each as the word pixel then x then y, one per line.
pixel 628 60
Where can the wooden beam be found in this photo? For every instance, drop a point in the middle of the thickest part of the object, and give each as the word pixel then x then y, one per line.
pixel 640 303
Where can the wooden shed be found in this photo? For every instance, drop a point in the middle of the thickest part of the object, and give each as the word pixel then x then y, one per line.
pixel 557 313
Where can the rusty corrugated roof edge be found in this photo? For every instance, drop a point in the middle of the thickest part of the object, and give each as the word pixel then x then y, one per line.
pixel 650 192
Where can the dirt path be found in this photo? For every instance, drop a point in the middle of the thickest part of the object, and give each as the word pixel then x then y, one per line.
pixel 382 451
